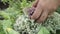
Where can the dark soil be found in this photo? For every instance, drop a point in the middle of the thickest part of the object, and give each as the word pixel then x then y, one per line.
pixel 3 6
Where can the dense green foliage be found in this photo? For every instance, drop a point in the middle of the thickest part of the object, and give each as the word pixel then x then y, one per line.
pixel 15 10
pixel 25 25
pixel 10 14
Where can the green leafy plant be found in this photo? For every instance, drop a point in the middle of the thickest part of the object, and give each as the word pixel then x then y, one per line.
pixel 25 25
pixel 16 22
pixel 43 30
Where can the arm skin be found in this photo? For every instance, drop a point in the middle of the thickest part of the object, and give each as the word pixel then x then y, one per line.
pixel 44 8
pixel 35 3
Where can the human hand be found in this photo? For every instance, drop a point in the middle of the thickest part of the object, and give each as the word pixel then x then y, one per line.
pixel 43 9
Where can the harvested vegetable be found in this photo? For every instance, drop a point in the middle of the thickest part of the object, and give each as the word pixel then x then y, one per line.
pixel 25 25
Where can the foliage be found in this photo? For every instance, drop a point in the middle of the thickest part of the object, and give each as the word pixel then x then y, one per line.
pixel 7 26
pixel 10 14
pixel 25 25
pixel 43 30
pixel 58 10
pixel 11 31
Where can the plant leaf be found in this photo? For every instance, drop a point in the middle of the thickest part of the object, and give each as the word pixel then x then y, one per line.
pixel 43 30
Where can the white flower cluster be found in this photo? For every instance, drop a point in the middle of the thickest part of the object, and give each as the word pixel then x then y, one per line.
pixel 24 25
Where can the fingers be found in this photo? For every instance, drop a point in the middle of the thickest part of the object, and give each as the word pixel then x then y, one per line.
pixel 37 12
pixel 35 3
pixel 43 16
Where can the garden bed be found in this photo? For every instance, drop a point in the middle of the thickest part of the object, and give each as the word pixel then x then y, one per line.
pixel 14 21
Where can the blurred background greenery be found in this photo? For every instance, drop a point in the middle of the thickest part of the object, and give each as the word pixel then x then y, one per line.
pixel 10 12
